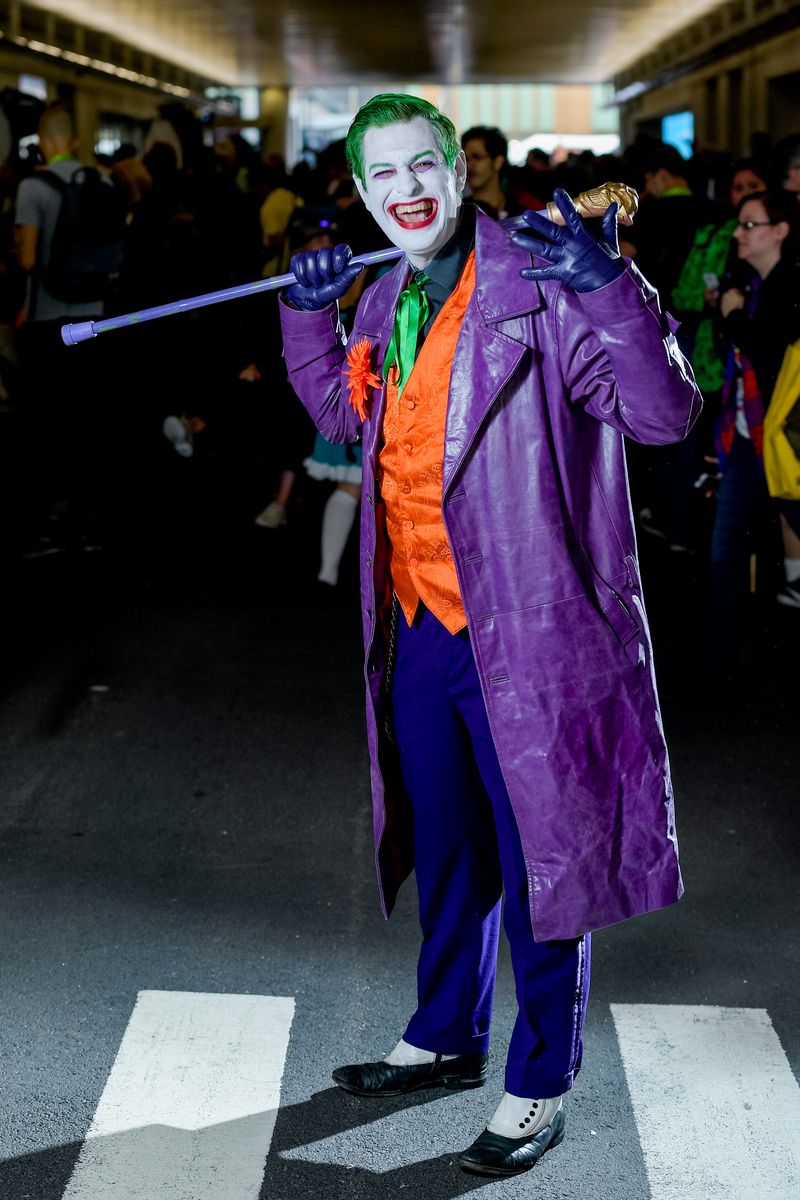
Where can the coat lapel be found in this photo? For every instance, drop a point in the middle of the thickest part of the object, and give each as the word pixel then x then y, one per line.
pixel 494 337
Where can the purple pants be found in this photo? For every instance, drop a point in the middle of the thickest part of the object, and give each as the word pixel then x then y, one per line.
pixel 467 854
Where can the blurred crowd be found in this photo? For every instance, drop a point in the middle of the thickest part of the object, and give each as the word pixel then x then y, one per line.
pixel 87 429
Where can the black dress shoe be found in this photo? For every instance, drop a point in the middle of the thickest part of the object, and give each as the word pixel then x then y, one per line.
pixel 383 1079
pixel 493 1154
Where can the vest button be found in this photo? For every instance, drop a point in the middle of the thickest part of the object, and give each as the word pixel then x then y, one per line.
pixel 411 404
pixel 408 524
pixel 413 562
pixel 406 489
pixel 407 447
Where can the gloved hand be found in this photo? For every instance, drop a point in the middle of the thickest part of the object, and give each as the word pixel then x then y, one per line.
pixel 322 277
pixel 583 262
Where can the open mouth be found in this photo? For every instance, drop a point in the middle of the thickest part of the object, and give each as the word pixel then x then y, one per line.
pixel 415 214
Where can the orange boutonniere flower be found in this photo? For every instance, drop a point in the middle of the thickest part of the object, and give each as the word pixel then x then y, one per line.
pixel 362 377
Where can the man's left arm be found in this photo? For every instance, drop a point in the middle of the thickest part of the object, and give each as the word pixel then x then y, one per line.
pixel 617 350
pixel 621 361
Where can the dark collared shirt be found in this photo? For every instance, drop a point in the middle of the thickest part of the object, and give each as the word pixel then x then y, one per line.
pixel 444 270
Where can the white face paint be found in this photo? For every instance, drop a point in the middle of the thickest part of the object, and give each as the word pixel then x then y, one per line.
pixel 410 190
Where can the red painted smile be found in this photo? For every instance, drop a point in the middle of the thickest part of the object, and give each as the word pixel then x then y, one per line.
pixel 414 214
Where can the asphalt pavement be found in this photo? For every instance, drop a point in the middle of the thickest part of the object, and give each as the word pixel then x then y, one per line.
pixel 184 808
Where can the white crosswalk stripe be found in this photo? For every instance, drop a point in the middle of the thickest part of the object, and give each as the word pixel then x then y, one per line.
pixel 716 1104
pixel 189 1107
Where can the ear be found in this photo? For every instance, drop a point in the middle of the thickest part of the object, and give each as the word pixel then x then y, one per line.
pixel 362 191
pixel 460 169
pixel 783 228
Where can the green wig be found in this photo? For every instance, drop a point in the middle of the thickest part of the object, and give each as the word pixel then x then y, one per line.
pixel 388 109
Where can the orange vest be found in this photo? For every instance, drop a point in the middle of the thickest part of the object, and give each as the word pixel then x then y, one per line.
pixel 410 472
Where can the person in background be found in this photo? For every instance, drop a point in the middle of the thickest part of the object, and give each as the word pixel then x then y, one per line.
pixel 340 464
pixel 758 327
pixel 786 162
pixel 275 214
pixel 660 241
pixel 58 401
pixel 486 150
pixel 695 301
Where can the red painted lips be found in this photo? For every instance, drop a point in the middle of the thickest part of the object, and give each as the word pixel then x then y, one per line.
pixel 414 214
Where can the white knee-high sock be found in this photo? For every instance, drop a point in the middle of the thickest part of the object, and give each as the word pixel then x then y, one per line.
pixel 406 1055
pixel 337 521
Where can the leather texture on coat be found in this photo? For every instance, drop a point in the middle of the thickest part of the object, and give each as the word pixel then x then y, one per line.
pixel 544 384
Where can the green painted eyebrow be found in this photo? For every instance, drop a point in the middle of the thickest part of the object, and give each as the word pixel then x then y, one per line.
pixel 422 154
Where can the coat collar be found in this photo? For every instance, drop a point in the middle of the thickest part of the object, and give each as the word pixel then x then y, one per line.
pixel 501 293
pixel 496 337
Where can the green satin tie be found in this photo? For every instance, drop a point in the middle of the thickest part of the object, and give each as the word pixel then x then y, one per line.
pixel 412 313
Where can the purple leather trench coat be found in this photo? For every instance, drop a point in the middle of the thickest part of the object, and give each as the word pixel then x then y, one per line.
pixel 535 500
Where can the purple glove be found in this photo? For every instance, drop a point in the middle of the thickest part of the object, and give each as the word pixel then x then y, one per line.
pixel 322 277
pixel 583 262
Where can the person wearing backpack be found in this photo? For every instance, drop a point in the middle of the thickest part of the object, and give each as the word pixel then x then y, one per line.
pixel 69 235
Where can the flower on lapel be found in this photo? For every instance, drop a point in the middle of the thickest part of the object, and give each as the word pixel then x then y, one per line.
pixel 362 377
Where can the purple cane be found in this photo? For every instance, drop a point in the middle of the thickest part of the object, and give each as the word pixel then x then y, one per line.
pixel 592 203
pixel 81 331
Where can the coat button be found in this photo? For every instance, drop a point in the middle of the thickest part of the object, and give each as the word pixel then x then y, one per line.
pixel 408 524
pixel 407 447
pixel 413 562
pixel 406 489
pixel 411 404
pixel 369 560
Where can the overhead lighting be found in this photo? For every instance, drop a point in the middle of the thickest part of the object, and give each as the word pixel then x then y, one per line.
pixel 97 64
pixel 629 93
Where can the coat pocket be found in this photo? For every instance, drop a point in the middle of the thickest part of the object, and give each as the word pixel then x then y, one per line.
pixel 609 602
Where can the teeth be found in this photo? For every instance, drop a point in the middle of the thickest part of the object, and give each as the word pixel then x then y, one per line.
pixel 403 210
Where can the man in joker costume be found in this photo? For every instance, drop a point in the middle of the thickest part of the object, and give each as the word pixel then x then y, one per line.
pixel 514 732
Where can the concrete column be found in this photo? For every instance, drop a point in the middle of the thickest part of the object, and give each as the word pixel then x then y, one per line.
pixel 275 119
pixel 726 134
pixel 85 108
pixel 754 100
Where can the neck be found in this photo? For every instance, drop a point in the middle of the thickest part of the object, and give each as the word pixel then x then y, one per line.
pixel 764 269
pixel 491 194
pixel 418 261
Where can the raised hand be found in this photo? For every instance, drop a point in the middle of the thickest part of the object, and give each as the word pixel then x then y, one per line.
pixel 585 263
pixel 322 277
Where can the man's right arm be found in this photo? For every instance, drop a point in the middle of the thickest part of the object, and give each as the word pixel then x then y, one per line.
pixel 312 339
pixel 26 241
pixel 26 230
pixel 315 356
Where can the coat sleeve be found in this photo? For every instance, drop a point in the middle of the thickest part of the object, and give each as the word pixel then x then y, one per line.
pixel 313 349
pixel 620 360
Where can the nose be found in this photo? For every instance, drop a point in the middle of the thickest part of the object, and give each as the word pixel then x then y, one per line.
pixel 406 182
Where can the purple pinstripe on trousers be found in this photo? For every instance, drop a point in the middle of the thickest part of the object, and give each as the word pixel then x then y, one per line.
pixel 467 853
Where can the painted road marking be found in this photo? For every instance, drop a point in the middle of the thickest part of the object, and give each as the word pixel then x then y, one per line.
pixel 716 1103
pixel 189 1108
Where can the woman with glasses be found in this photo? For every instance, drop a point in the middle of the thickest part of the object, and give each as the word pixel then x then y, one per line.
pixel 758 326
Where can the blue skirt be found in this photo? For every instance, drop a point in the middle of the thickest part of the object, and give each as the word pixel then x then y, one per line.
pixel 342 464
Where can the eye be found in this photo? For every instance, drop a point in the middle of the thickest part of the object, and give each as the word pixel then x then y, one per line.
pixel 385 174
pixel 425 164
